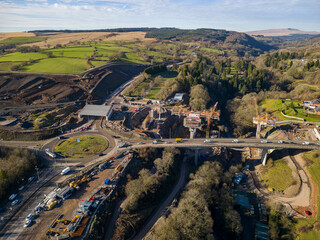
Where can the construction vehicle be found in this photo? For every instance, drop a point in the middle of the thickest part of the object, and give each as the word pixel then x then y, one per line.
pixel 179 140
pixel 209 119
pixel 51 204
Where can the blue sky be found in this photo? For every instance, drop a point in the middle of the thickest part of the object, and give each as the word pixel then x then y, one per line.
pixel 238 15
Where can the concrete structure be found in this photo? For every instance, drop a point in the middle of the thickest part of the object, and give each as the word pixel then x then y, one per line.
pixel 178 97
pixel 94 111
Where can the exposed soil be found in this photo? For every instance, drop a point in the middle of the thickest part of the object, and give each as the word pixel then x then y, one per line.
pixel 38 88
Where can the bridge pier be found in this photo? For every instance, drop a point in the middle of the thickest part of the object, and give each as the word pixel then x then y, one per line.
pixel 192 132
pixel 265 152
pixel 258 131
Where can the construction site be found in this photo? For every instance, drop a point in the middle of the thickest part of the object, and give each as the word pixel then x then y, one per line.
pixel 68 210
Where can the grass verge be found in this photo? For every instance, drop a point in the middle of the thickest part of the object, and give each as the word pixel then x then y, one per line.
pixel 88 145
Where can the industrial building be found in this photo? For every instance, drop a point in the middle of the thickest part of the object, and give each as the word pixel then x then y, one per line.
pixel 96 111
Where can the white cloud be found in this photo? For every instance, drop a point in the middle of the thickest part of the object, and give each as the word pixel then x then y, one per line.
pixel 229 14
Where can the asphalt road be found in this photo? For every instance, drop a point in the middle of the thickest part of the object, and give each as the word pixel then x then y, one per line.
pixel 227 142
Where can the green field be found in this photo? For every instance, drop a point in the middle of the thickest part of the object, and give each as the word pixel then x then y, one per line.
pixel 57 65
pixel 6 66
pixel 98 63
pixel 214 50
pixel 279 176
pixel 17 56
pixel 22 40
pixel 88 145
pixel 72 58
pixel 290 108
pixel 156 89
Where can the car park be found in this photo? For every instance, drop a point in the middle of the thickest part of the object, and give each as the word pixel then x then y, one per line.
pixel 15 202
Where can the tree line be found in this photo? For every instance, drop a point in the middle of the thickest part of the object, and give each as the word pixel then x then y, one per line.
pixel 144 192
pixel 206 202
pixel 15 165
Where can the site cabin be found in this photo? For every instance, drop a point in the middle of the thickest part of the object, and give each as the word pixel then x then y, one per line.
pixel 65 171
pixel 179 140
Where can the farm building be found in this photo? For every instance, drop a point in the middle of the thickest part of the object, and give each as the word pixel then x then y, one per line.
pixel 96 111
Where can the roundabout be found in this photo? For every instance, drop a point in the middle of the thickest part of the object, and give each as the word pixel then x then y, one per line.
pixel 81 146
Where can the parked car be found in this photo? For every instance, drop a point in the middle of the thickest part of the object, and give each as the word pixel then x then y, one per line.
pixel 101 154
pixel 27 223
pixel 30 217
pixel 30 179
pixel 21 188
pixel 307 212
pixel 155 142
pixel 13 196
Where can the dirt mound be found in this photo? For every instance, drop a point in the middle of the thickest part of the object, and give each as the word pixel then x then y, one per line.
pixel 37 88
pixel 112 77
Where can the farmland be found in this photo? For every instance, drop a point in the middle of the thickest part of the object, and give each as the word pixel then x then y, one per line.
pixel 72 53
pixel 57 65
pixel 79 57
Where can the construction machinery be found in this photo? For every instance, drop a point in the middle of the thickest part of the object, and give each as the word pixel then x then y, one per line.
pixel 51 204
pixel 265 120
pixel 209 119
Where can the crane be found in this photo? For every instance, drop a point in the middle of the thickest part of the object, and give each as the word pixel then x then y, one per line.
pixel 258 118
pixel 209 119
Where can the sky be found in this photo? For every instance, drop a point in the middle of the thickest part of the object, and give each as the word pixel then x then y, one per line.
pixel 237 15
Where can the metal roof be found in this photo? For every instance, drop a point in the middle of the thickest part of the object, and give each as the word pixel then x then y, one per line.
pixel 178 96
pixel 95 110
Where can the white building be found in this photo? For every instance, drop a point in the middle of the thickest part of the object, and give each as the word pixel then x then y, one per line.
pixel 94 111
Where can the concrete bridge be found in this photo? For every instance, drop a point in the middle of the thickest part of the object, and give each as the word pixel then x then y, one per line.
pixel 267 146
